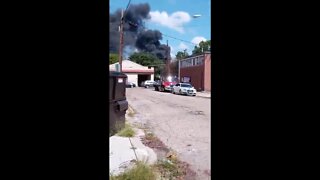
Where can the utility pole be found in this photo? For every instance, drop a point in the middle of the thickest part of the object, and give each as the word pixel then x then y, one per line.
pixel 179 70
pixel 121 41
pixel 168 60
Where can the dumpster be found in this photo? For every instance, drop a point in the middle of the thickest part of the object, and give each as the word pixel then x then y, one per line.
pixel 118 103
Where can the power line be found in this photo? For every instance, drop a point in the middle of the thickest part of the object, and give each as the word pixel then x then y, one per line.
pixel 125 11
pixel 178 39
pixel 174 37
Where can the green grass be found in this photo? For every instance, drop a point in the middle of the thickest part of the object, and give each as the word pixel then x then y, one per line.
pixel 168 169
pixel 141 171
pixel 127 131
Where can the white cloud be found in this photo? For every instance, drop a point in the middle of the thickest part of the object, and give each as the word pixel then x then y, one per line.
pixel 174 21
pixel 172 55
pixel 183 46
pixel 172 48
pixel 172 52
pixel 198 39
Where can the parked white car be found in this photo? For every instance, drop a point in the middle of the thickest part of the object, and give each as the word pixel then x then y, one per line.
pixel 148 83
pixel 184 88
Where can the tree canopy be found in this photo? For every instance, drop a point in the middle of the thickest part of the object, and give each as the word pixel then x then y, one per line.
pixel 203 46
pixel 145 59
pixel 181 55
pixel 113 58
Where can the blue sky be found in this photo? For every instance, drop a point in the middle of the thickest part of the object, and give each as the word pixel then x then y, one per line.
pixel 174 18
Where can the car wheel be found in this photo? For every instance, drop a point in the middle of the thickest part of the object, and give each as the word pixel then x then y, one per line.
pixel 147 86
pixel 180 91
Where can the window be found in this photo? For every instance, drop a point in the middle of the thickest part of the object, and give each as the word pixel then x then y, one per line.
pixel 195 61
pixel 186 79
pixel 199 60
pixel 186 85
pixel 186 63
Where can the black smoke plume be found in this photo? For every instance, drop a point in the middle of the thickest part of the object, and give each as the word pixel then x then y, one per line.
pixel 135 35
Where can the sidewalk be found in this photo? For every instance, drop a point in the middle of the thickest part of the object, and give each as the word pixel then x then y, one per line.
pixel 204 94
pixel 124 151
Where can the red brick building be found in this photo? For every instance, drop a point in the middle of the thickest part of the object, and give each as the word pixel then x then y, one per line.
pixel 197 71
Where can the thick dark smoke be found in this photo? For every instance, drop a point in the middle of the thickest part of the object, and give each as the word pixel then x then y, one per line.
pixel 135 35
pixel 149 41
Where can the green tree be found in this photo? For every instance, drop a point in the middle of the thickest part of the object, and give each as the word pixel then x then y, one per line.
pixel 147 59
pixel 113 58
pixel 181 55
pixel 203 46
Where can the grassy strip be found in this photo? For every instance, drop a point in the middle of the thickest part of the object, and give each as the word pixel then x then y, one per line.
pixel 127 131
pixel 167 168
pixel 140 171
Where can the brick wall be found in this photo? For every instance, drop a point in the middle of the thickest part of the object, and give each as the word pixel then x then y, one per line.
pixel 196 74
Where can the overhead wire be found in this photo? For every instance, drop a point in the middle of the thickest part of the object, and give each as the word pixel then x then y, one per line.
pixel 125 11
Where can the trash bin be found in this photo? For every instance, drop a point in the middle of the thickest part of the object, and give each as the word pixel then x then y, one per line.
pixel 118 103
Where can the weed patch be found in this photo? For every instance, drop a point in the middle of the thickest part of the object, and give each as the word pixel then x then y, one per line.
pixel 169 167
pixel 140 171
pixel 127 131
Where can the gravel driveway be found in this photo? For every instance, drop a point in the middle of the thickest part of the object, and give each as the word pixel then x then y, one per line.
pixel 181 122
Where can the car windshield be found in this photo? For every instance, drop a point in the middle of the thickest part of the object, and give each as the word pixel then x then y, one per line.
pixel 186 85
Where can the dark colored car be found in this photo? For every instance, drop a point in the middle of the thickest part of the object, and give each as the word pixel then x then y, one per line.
pixel 130 85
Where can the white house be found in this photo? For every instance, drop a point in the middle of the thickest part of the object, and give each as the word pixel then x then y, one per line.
pixel 136 73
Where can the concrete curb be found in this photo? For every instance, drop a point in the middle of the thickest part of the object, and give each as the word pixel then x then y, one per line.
pixel 124 151
pixel 143 152
pixel 203 97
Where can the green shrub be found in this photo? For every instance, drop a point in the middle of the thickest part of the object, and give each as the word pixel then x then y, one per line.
pixel 140 171
pixel 127 131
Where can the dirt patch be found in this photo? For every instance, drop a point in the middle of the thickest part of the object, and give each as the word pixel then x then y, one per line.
pixel 207 172
pixel 168 166
pixel 187 173
pixel 153 142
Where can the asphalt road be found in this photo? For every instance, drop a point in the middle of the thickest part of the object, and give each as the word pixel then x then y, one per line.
pixel 181 122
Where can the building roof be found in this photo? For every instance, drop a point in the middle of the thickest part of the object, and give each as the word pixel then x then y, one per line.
pixel 132 67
